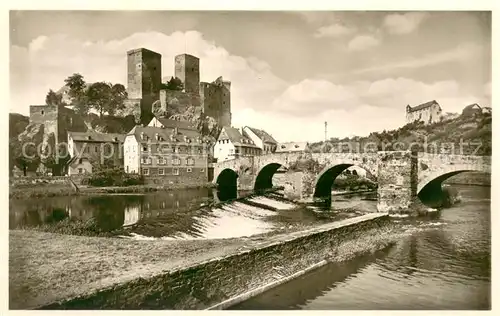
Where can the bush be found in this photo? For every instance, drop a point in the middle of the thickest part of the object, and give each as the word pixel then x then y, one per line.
pixel 113 177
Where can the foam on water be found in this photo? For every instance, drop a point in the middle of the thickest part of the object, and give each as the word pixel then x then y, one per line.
pixel 273 203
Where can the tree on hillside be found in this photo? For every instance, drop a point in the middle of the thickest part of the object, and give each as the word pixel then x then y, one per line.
pixel 77 88
pixel 174 84
pixel 53 98
pixel 99 97
pixel 118 97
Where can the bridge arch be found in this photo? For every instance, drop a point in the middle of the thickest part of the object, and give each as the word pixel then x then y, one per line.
pixel 264 178
pixel 227 184
pixel 324 180
pixel 430 190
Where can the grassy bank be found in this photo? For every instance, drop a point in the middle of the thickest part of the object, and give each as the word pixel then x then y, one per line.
pixel 50 267
pixel 50 190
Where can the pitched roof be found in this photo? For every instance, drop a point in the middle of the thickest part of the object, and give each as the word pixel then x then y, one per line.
pixel 291 146
pixel 97 137
pixel 234 135
pixel 423 106
pixel 175 123
pixel 167 134
pixel 470 106
pixel 266 137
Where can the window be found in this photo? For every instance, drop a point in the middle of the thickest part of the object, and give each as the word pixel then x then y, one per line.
pixel 176 161
pixel 189 170
pixel 42 112
pixel 161 161
pixel 80 170
pixel 95 148
pixel 202 170
pixel 146 160
pixel 175 171
pixel 80 160
pixel 145 171
pixel 189 161
pixel 144 148
pixel 161 171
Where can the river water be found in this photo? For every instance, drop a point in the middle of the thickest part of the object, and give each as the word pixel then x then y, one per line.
pixel 182 214
pixel 443 263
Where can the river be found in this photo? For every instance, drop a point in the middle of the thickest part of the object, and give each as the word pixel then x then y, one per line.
pixel 443 263
pixel 181 214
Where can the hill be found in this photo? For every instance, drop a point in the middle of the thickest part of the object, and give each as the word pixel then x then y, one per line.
pixel 456 134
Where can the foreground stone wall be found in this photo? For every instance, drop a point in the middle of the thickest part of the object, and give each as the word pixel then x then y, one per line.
pixel 208 284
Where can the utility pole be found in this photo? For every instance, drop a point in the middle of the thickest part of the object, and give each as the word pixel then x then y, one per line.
pixel 326 129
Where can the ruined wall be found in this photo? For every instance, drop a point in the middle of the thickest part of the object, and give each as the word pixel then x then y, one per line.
pixel 144 73
pixel 187 68
pixel 143 83
pixel 175 102
pixel 216 101
pixel 246 273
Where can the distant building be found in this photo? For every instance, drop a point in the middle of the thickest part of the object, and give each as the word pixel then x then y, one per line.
pixel 429 112
pixel 163 122
pixel 487 109
pixel 92 148
pixel 232 144
pixel 169 152
pixel 79 166
pixel 472 110
pixel 261 138
pixel 290 147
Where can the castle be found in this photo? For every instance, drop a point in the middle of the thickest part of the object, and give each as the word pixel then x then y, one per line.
pixel 429 112
pixel 147 98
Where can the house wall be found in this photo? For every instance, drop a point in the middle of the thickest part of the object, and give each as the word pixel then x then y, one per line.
pixel 256 139
pixel 80 168
pixel 224 150
pixel 97 152
pixel 176 163
pixel 131 155
pixel 428 115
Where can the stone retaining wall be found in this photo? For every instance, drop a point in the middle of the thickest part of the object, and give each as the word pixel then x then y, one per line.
pixel 221 282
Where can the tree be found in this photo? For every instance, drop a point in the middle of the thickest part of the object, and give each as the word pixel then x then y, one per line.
pixel 99 97
pixel 53 98
pixel 174 84
pixel 118 97
pixel 77 88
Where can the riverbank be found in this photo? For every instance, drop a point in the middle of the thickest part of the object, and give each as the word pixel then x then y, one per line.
pixel 115 273
pixel 51 190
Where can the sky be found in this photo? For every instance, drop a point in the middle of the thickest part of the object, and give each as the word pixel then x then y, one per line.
pixel 290 71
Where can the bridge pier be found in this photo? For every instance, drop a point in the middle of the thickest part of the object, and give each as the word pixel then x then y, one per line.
pixel 397 182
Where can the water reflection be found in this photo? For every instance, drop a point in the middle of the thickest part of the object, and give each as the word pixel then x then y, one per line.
pixel 176 214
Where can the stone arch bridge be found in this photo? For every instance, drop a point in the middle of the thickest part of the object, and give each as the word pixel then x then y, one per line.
pixel 404 178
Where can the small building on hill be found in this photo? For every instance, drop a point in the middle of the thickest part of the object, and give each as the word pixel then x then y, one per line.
pixel 429 112
pixel 472 110
pixel 232 144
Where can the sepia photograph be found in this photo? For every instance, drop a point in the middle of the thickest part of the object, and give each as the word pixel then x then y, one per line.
pixel 250 160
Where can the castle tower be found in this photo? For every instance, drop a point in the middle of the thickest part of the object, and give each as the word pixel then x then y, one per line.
pixel 143 82
pixel 187 68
